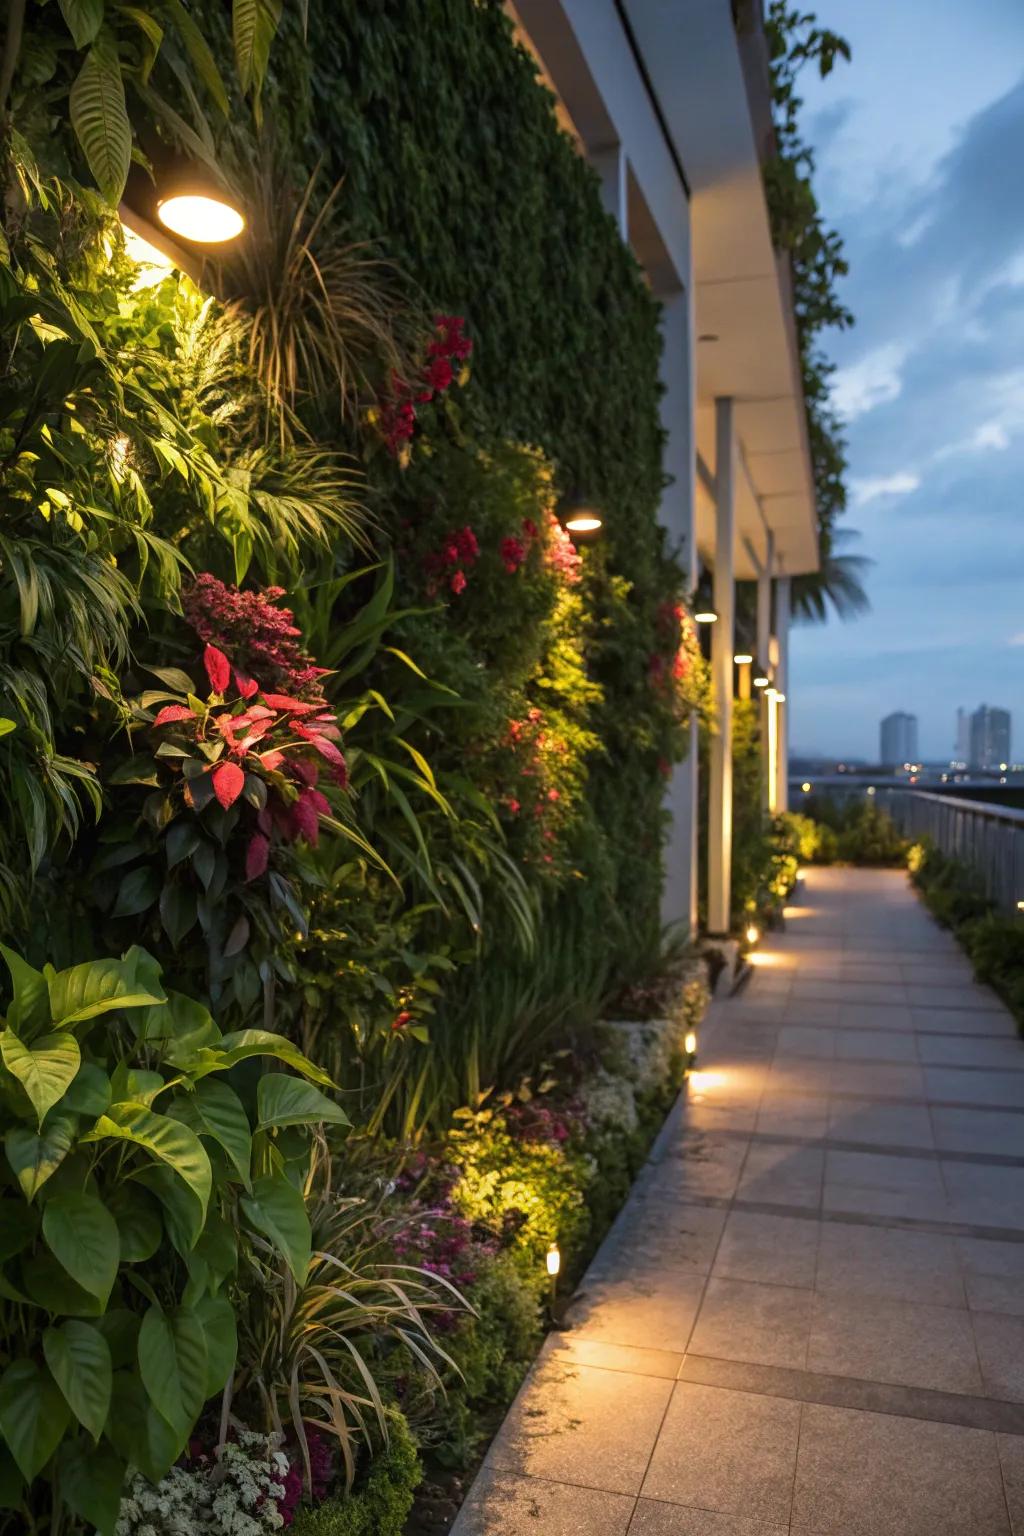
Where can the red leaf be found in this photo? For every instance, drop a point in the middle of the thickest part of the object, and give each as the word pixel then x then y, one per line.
pixel 228 781
pixel 305 816
pixel 247 686
pixel 218 669
pixel 172 712
pixel 326 749
pixel 291 706
pixel 256 856
pixel 271 760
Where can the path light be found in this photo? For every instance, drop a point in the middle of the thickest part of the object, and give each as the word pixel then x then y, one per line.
pixel 806 788
pixel 690 1042
pixel 553 1263
pixel 1020 906
pixel 871 789
pixel 753 933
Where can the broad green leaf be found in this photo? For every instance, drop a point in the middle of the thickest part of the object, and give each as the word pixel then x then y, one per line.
pixel 173 1365
pixel 217 1316
pixel 277 1209
pixel 50 1286
pixel 181 1020
pixel 79 1359
pixel 45 1069
pixel 285 1100
pixel 120 1328
pixel 89 1094
pixel 7 726
pixel 97 986
pixel 83 1236
pixel 241 1044
pixel 138 1433
pixel 215 1110
pixel 178 912
pixel 18 1226
pixel 33 1158
pixel 183 1212
pixel 30 1010
pixel 163 1138
pixel 137 892
pixel 254 23
pixel 84 19
pixel 198 51
pixel 99 116
pixel 181 842
pixel 91 1483
pixel 138 1222
pixel 33 1416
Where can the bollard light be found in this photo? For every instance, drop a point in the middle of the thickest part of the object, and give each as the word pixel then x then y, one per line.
pixel 753 933
pixel 553 1260
pixel 690 1043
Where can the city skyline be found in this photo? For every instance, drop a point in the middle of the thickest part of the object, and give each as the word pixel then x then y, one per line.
pixel 930 378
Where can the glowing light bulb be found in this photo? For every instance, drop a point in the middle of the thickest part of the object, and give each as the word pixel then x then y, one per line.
pixel 706 616
pixel 202 219
pixel 753 933
pixel 586 524
pixel 553 1260
pixel 690 1043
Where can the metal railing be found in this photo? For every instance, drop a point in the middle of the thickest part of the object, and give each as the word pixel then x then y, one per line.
pixel 989 838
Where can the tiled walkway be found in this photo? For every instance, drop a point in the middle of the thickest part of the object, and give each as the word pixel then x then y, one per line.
pixel 810 1316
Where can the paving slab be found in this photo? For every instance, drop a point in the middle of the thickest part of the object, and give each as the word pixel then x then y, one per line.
pixel 809 1318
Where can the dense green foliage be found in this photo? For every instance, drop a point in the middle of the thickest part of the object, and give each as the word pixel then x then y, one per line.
pixel 304 686
pixel 853 831
pixel 993 941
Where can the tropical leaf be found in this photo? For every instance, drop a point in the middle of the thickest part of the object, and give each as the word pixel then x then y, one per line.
pixel 253 24
pixel 284 1100
pixel 35 1158
pixel 84 19
pixel 82 1235
pixel 33 1416
pixel 79 1360
pixel 99 116
pixel 277 1209
pixel 173 1364
pixel 45 1069
pixel 97 986
pixel 163 1138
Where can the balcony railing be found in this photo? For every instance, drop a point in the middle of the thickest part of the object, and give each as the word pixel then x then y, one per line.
pixel 989 838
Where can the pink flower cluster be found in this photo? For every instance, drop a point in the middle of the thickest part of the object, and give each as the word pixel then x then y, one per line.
pixel 536 756
pixel 458 554
pixel 562 556
pixel 397 415
pixel 666 668
pixel 262 638
pixel 321 1468
pixel 514 550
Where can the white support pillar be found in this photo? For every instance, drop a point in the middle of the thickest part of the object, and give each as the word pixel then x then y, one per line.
pixel 677 513
pixel 612 166
pixel 764 646
pixel 782 684
pixel 722 639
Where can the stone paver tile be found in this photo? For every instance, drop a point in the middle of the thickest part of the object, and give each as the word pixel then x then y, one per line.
pixel 568 1345
pixel 794 1114
pixel 702 1163
pixel 502 1504
pixel 952 1085
pixel 879 992
pixel 726 1452
pixel 763 1324
pixel 891 1204
pixel 660 1234
pixel 881 1170
pixel 938 972
pixel 873 1474
pixel 974 998
pixel 567 1426
pixel 653 1519
pixel 883 1125
pixel 978 1130
pixel 779 1250
pixel 1000 1341
pixel 984 1195
pixel 646 1309
pixel 794 1076
pixel 876 1045
pixel 805 1040
pixel 905 1342
pixel 886 1080
pixel 969 1051
pixel 873 1261
pixel 813 1013
pixel 875 1016
pixel 1011 1459
pixel 710 1118
pixel 983 1256
pixel 995 1293
pixel 782 1174
pixel 960 1021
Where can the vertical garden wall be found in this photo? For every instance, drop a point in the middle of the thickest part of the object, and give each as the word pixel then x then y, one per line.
pixel 333 768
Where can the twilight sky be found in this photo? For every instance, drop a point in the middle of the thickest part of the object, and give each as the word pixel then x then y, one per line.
pixel 920 146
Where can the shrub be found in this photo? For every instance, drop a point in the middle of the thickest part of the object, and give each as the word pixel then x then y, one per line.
pixel 380 1505
pixel 238 1494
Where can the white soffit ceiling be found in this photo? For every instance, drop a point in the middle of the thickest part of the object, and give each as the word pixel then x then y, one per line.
pixel 692 56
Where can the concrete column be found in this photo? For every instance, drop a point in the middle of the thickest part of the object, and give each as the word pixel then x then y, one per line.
pixel 782 684
pixel 764 646
pixel 677 511
pixel 612 166
pixel 722 641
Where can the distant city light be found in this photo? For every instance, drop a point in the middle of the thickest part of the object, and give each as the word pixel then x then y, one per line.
pixel 806 788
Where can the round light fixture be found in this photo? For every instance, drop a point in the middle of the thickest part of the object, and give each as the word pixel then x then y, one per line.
pixel 585 523
pixel 743 661
pixel 762 682
pixel 201 217
pixel 806 788
pixel 706 617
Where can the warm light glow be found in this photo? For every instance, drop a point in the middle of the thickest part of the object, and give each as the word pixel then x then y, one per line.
pixel 1002 767
pixel 583 524
pixel 789 912
pixel 700 1082
pixel 753 933
pixel 690 1043
pixel 1020 906
pixel 554 1260
pixel 119 455
pixel 761 682
pixel 743 661
pixel 707 617
pixel 205 220
pixel 153 265
pixel 773 752
pixel 780 698
pixel 871 789
pixel 806 788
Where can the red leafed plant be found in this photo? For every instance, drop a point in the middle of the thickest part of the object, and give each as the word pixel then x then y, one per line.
pixel 446 362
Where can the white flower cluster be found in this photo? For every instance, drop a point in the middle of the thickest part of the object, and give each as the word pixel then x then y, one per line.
pixel 239 1497
pixel 608 1100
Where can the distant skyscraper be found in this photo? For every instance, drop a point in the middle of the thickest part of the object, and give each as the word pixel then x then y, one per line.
pixel 898 739
pixel 990 737
pixel 962 749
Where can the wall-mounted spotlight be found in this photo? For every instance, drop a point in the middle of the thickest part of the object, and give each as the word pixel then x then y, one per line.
pixel 182 200
pixel 579 515
pixel 743 661
pixel 762 682
pixel 706 616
